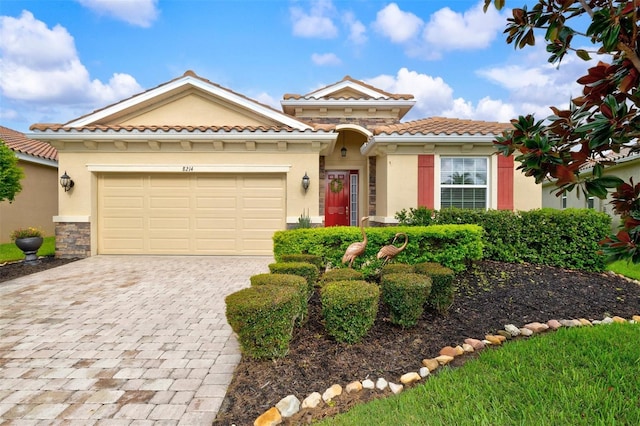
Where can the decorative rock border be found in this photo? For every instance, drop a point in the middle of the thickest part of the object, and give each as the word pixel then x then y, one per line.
pixel 290 405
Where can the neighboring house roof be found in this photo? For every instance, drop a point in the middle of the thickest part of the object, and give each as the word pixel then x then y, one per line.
pixel 28 149
pixel 443 126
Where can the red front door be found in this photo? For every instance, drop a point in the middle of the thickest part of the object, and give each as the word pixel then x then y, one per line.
pixel 337 198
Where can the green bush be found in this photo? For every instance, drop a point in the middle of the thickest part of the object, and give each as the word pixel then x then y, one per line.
pixel 396 268
pixel 405 295
pixel 303 269
pixel 451 245
pixel 300 257
pixel 286 280
pixel 442 290
pixel 563 238
pixel 349 309
pixel 340 274
pixel 263 319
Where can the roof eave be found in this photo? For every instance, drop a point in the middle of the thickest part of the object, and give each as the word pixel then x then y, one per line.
pixel 370 146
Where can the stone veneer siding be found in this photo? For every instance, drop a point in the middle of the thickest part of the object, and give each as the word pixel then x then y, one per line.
pixel 372 186
pixel 368 123
pixel 322 186
pixel 73 240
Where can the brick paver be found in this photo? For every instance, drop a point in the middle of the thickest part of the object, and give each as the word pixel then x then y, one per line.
pixel 122 340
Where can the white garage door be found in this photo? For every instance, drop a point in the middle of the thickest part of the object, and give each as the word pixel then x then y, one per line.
pixel 199 214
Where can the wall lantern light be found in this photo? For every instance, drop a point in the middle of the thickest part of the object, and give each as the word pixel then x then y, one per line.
pixel 343 151
pixel 66 182
pixel 306 180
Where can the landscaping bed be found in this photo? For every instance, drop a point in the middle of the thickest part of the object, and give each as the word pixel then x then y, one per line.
pixel 490 295
pixel 12 270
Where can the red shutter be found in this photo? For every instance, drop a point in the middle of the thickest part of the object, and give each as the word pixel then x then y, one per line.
pixel 426 177
pixel 505 182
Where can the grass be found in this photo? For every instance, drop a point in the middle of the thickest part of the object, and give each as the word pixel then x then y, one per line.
pixel 10 253
pixel 575 376
pixel 625 268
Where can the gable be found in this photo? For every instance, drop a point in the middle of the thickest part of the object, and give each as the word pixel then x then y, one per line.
pixel 193 109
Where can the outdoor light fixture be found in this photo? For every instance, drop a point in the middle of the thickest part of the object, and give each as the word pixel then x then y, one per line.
pixel 66 182
pixel 306 180
pixel 343 151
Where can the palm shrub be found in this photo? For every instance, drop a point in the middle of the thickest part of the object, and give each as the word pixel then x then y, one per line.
pixel 442 290
pixel 263 319
pixel 340 274
pixel 303 269
pixel 349 309
pixel 405 295
pixel 286 280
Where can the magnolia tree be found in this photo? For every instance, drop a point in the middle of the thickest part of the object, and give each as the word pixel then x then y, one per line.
pixel 603 120
pixel 10 173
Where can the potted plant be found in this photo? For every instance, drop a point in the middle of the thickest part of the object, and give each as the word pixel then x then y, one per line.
pixel 29 241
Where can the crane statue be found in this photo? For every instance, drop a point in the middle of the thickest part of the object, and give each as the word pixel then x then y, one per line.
pixel 389 252
pixel 356 249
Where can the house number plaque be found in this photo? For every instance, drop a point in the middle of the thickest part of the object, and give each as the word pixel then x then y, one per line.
pixel 187 168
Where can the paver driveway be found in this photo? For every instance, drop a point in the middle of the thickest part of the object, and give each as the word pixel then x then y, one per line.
pixel 120 340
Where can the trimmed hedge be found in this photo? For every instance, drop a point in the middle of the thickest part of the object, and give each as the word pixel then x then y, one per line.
pixel 286 280
pixel 263 319
pixel 563 238
pixel 405 295
pixel 451 245
pixel 303 269
pixel 300 257
pixel 349 309
pixel 442 290
pixel 340 274
pixel 396 268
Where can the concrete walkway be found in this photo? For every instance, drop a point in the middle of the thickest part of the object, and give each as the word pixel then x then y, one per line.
pixel 123 340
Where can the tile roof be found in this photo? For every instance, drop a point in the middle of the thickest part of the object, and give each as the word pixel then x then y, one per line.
pixel 59 128
pixel 383 94
pixel 18 142
pixel 443 126
pixel 188 73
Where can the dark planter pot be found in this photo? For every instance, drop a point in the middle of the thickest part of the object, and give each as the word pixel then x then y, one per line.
pixel 29 247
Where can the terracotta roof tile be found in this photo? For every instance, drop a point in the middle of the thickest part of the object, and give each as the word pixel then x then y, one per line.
pixel 59 128
pixel 383 94
pixel 443 126
pixel 187 73
pixel 18 142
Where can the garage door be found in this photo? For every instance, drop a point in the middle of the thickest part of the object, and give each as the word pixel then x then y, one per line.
pixel 199 214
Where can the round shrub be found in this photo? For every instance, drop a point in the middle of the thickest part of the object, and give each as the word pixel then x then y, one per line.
pixel 442 290
pixel 340 274
pixel 294 281
pixel 349 309
pixel 396 268
pixel 405 295
pixel 301 257
pixel 303 269
pixel 263 319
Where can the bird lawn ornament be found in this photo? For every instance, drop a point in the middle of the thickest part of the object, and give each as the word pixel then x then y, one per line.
pixel 356 249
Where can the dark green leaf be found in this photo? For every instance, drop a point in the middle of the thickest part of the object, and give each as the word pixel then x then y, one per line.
pixel 583 54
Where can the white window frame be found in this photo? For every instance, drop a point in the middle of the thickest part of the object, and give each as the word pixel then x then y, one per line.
pixel 486 186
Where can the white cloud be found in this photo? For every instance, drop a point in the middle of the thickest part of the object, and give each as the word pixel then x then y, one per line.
pixel 266 99
pixel 140 13
pixel 357 30
pixel 46 68
pixel 325 59
pixel 473 29
pixel 317 23
pixel 397 25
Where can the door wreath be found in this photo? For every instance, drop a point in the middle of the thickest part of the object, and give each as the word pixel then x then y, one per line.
pixel 336 185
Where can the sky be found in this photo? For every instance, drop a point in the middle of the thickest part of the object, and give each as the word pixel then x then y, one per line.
pixel 61 59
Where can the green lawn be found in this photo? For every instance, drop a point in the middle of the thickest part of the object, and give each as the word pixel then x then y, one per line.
pixel 577 376
pixel 9 252
pixel 625 268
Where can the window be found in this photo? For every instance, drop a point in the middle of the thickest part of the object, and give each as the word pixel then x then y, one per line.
pixel 564 200
pixel 463 182
pixel 353 196
pixel 591 203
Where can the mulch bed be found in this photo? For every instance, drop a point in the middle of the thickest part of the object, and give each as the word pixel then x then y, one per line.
pixel 490 295
pixel 9 271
